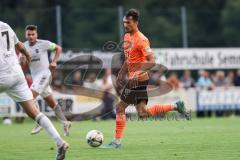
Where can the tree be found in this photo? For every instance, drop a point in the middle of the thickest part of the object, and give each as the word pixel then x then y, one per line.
pixel 231 23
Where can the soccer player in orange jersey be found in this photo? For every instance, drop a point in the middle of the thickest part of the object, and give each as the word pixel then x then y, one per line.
pixel 138 61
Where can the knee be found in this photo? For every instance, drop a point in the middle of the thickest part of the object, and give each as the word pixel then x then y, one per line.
pixel 52 105
pixel 120 109
pixel 143 114
pixel 51 102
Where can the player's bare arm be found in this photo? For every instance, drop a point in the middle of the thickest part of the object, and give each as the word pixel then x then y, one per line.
pixel 145 67
pixel 149 64
pixel 20 48
pixel 53 64
pixel 58 51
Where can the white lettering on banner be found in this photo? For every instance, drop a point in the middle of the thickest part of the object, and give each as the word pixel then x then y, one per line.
pixel 173 58
pixel 198 58
pixel 70 104
pixel 66 103
pixel 219 99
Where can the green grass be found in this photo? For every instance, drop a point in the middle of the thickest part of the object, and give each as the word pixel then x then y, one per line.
pixel 213 139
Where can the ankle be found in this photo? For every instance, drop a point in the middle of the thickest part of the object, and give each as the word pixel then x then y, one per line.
pixel 117 140
pixel 175 106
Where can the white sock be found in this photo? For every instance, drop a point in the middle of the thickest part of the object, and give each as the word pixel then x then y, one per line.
pixel 37 106
pixel 44 122
pixel 59 114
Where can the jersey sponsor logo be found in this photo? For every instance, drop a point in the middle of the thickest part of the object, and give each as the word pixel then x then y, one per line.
pixel 7 55
pixel 35 59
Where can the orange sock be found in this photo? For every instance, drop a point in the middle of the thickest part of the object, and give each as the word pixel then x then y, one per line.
pixel 159 108
pixel 120 125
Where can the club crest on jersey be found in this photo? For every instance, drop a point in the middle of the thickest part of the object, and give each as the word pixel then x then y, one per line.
pixel 127 45
pixel 130 47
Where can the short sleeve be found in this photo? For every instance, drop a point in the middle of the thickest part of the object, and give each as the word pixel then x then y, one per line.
pixel 50 46
pixel 15 38
pixel 145 48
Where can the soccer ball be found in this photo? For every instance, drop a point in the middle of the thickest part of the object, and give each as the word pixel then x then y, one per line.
pixel 7 121
pixel 94 138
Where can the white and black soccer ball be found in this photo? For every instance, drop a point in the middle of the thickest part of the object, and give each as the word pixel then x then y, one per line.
pixel 7 121
pixel 94 138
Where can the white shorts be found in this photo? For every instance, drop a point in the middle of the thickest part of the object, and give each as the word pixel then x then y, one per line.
pixel 16 87
pixel 41 84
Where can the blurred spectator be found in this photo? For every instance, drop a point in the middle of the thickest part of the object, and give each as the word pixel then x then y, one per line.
pixel 108 109
pixel 230 78
pixel 105 84
pixel 156 77
pixel 153 77
pixel 173 80
pixel 237 78
pixel 57 80
pixel 111 79
pixel 91 81
pixel 187 80
pixel 220 80
pixel 108 74
pixel 108 99
pixel 204 82
pixel 213 76
pixel 77 78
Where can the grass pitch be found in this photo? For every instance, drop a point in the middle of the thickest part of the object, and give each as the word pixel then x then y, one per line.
pixel 213 139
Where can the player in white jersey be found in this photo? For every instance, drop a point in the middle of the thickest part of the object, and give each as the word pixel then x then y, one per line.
pixel 12 82
pixel 41 73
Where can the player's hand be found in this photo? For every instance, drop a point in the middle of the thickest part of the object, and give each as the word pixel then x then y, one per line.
pixel 52 67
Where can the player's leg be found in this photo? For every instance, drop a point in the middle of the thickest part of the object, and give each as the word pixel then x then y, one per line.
pixel 40 83
pixel 157 109
pixel 128 96
pixel 44 122
pixel 119 125
pixel 59 113
pixel 20 92
pixel 41 119
pixel 37 128
pixel 153 110
pixel 141 109
pixel 120 120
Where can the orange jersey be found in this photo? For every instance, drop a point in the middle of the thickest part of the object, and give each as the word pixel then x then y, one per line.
pixel 136 49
